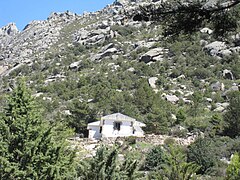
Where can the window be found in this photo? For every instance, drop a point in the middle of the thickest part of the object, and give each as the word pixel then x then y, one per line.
pixel 117 125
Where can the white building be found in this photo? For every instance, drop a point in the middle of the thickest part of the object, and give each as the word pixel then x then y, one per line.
pixel 115 125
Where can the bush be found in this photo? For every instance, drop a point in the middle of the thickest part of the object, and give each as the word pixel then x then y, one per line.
pixel 232 116
pixel 155 158
pixel 200 73
pixel 123 30
pixel 201 152
pixel 131 140
pixel 169 141
pixel 179 131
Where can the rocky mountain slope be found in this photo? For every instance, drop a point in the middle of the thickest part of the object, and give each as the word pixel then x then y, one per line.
pixel 105 62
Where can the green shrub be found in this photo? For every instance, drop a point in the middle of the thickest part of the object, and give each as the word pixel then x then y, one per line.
pixel 123 30
pixel 169 141
pixel 202 153
pixel 179 132
pixel 131 140
pixel 155 159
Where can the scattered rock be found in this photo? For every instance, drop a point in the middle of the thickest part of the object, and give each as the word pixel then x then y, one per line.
pixel 217 86
pixel 172 98
pixel 219 109
pixel 131 69
pixel 233 88
pixel 227 74
pixel 215 48
pixel 106 53
pixel 206 30
pixel 153 55
pixel 209 100
pixel 152 82
pixel 3 69
pixel 74 65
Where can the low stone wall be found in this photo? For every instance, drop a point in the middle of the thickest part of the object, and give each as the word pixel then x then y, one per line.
pixel 160 139
pixel 153 139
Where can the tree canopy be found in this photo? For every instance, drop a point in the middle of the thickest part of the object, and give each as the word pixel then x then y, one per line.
pixel 232 116
pixel 31 148
pixel 188 16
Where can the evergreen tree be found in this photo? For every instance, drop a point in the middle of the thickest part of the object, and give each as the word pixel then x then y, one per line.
pixel 174 166
pixel 232 116
pixel 31 148
pixel 81 115
pixel 105 166
pixel 183 16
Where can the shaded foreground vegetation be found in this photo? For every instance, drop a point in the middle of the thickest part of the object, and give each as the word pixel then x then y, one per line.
pixel 33 148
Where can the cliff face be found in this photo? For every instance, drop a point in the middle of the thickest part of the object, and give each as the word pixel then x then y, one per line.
pixel 39 36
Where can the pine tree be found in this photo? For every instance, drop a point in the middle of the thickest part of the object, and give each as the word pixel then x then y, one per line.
pixel 232 116
pixel 31 148
pixel 105 165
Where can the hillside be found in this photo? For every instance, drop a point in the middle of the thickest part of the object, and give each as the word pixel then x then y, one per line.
pixel 80 67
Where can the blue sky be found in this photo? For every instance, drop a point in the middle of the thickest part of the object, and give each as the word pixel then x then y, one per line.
pixel 23 11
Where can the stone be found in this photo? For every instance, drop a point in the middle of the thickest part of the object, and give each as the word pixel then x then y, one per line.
pixel 227 74
pixel 111 45
pixel 108 52
pixel 233 88
pixel 3 69
pixel 99 31
pixel 215 48
pixel 152 82
pixel 141 44
pixel 203 42
pixel 210 4
pixel 225 104
pixel 131 69
pixel 83 34
pixel 225 52
pixel 172 98
pixel 209 100
pixel 10 30
pixel 219 109
pixel 217 86
pixel 206 30
pixel 187 101
pixel 150 55
pixel 74 65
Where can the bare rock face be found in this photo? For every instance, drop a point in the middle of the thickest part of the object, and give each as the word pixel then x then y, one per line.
pixel 124 2
pixel 38 36
pixel 9 30
pixel 210 4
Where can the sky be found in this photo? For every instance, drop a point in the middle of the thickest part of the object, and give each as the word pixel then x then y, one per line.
pixel 22 12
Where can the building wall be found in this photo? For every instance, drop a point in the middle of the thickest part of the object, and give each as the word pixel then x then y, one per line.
pixel 125 130
pixel 94 132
